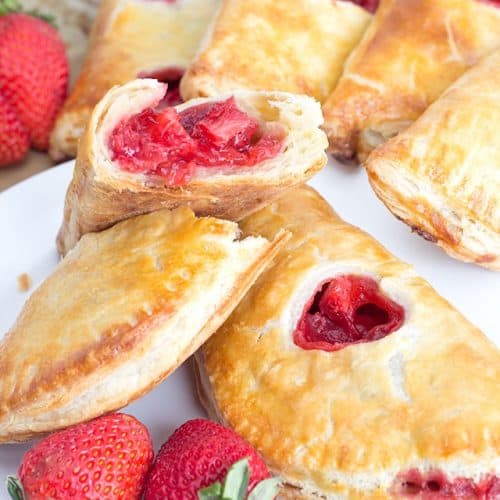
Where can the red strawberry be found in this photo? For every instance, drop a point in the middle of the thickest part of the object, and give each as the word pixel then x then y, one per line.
pixel 14 139
pixel 108 457
pixel 199 453
pixel 33 72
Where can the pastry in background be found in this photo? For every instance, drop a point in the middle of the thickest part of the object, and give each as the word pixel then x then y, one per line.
pixel 442 175
pixel 349 374
pixel 295 46
pixel 131 39
pixel 123 310
pixel 408 56
pixel 225 156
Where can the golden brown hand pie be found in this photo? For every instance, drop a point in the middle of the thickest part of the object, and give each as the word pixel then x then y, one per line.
pixel 131 39
pixel 349 373
pixel 224 156
pixel 442 175
pixel 124 309
pixel 296 46
pixel 410 54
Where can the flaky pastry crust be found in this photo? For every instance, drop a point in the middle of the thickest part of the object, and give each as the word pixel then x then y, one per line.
pixel 412 51
pixel 129 38
pixel 296 46
pixel 123 310
pixel 101 193
pixel 442 175
pixel 343 424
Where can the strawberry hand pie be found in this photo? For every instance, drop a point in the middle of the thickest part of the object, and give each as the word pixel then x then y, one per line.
pixel 224 156
pixel 349 374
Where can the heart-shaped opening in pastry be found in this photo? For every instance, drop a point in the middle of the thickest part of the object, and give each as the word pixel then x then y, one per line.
pixel 348 309
pixel 172 77
pixel 435 485
pixel 369 5
pixel 173 145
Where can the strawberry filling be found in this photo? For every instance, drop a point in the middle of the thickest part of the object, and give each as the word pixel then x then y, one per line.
pixel 347 310
pixel 496 3
pixel 369 5
pixel 174 145
pixel 434 485
pixel 171 76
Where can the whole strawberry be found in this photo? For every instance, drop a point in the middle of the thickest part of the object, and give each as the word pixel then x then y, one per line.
pixel 105 458
pixel 197 457
pixel 14 139
pixel 33 70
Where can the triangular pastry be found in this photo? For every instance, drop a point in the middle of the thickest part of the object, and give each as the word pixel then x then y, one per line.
pixel 349 374
pixel 409 55
pixel 296 46
pixel 120 313
pixel 224 156
pixel 442 175
pixel 131 39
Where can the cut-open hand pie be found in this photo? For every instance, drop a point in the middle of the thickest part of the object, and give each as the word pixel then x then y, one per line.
pixel 296 46
pixel 442 175
pixel 131 39
pixel 224 156
pixel 412 51
pixel 349 374
pixel 120 313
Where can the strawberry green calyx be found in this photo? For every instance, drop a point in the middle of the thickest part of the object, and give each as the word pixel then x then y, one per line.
pixel 11 6
pixel 15 488
pixel 8 6
pixel 236 483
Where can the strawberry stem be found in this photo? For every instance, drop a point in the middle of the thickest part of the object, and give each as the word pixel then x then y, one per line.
pixel 15 488
pixel 7 6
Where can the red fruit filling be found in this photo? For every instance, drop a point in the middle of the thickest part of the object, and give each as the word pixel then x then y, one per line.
pixel 172 77
pixel 369 5
pixel 349 309
pixel 173 145
pixel 434 485
pixel 496 3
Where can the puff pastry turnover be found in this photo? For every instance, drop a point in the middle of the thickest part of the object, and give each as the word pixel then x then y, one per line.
pixel 350 374
pixel 297 46
pixel 224 156
pixel 129 39
pixel 410 54
pixel 442 175
pixel 120 312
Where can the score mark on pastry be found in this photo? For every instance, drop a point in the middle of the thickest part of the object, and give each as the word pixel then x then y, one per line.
pixel 173 145
pixel 347 310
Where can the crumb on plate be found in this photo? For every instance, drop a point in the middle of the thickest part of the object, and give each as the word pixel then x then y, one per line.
pixel 24 282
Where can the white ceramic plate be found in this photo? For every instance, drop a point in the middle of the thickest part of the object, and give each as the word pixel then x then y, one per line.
pixel 30 214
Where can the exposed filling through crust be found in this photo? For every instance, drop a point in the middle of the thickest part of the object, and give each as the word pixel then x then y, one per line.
pixel 347 310
pixel 434 485
pixel 369 5
pixel 171 76
pixel 496 3
pixel 172 145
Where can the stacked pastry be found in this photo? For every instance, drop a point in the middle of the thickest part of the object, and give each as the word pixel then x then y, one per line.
pixel 187 228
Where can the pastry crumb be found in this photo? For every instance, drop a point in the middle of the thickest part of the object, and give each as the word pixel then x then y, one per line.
pixel 24 282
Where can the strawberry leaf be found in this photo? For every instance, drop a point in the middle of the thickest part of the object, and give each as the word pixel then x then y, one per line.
pixel 212 492
pixel 10 6
pixel 236 482
pixel 266 489
pixel 15 488
pixel 7 6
